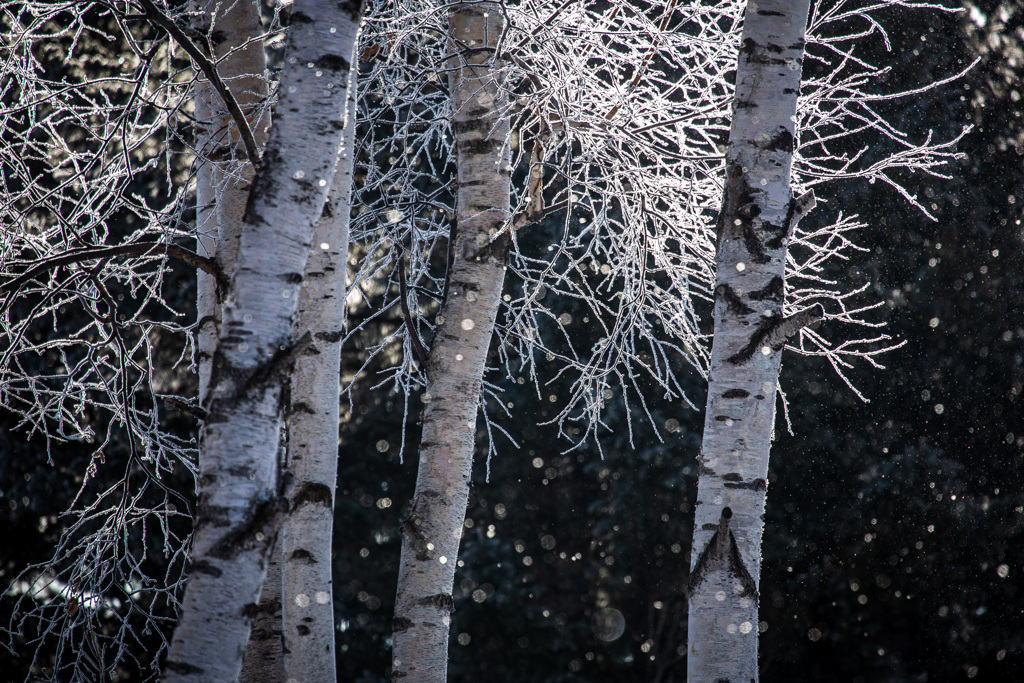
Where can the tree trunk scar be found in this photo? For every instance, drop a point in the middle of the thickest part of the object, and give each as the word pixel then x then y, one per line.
pixel 773 333
pixel 258 531
pixel 722 554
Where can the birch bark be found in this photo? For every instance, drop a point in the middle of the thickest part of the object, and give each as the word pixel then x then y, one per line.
pixel 433 529
pixel 241 501
pixel 220 198
pixel 308 604
pixel 754 225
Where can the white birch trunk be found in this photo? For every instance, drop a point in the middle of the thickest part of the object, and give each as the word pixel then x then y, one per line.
pixel 433 529
pixel 219 211
pixel 308 620
pixel 757 215
pixel 241 505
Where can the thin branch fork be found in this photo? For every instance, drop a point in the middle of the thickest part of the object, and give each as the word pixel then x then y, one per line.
pixel 209 69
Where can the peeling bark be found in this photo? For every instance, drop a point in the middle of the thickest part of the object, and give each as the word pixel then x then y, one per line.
pixel 242 500
pixel 433 528
pixel 757 218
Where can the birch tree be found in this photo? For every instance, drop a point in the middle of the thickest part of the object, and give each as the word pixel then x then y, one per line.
pixel 608 143
pixel 255 289
pixel 611 120
pixel 454 370
pixel 757 218
pixel 243 497
pixel 759 307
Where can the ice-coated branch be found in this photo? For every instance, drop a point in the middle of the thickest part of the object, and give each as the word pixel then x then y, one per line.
pixel 209 69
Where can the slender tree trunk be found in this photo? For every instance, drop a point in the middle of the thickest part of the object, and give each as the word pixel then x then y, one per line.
pixel 313 436
pixel 433 529
pixel 220 199
pixel 241 501
pixel 754 227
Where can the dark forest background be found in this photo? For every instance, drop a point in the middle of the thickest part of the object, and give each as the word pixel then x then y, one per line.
pixel 894 534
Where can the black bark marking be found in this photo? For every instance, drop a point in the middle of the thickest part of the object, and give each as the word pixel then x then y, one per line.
pixel 182 668
pixel 250 610
pixel 291 278
pixel 302 630
pixel 722 554
pixel 330 337
pixel 264 187
pixel 770 13
pixel 277 369
pixel 752 243
pixel 732 476
pixel 470 125
pixel 772 291
pixel 264 520
pixel 774 332
pixel 301 18
pixel 303 556
pixel 753 485
pixel 496 250
pixel 206 567
pixel 486 146
pixel 781 141
pixel 400 624
pixel 442 601
pixel 213 515
pixel 724 418
pixel 410 526
pixel 733 301
pixel 332 63
pixel 303 407
pixel 312 494
pixel 738 205
pixel 736 393
pixel 261 635
pixel 764 328
pixel 354 8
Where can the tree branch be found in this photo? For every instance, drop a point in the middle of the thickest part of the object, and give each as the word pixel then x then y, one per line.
pixel 414 338
pixel 209 70
pixel 137 249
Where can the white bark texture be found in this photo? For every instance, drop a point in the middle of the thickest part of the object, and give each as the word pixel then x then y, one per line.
pixel 308 604
pixel 221 195
pixel 433 529
pixel 754 225
pixel 241 502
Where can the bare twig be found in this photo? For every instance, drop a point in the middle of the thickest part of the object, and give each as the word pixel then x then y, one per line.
pixel 209 70
pixel 138 249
